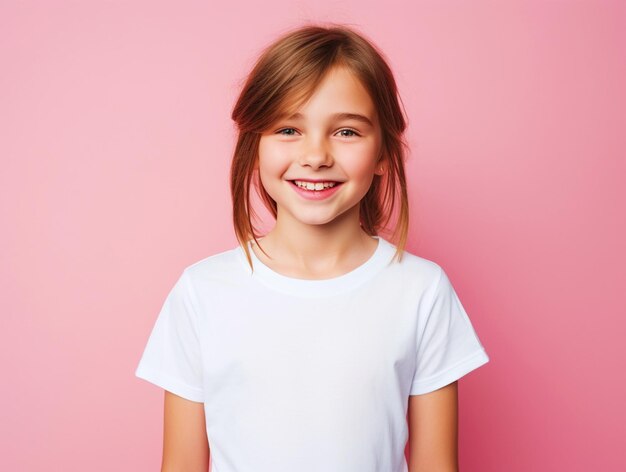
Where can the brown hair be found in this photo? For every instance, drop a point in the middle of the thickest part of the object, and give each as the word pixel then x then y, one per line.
pixel 285 76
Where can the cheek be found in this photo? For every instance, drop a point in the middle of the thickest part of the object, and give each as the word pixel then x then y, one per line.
pixel 267 155
pixel 270 160
pixel 360 161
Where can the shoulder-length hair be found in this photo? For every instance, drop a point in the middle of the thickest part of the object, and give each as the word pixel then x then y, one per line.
pixel 285 76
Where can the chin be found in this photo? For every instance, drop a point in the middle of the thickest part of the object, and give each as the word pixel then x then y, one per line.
pixel 317 221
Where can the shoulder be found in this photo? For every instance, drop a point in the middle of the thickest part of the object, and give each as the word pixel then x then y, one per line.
pixel 221 265
pixel 417 269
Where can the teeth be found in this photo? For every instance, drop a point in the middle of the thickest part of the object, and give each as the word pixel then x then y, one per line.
pixel 314 186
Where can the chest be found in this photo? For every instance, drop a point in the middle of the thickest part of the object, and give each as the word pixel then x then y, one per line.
pixel 346 343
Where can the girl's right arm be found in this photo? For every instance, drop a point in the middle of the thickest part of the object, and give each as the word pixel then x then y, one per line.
pixel 185 443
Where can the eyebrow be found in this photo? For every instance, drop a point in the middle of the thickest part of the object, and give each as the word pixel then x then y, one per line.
pixel 335 116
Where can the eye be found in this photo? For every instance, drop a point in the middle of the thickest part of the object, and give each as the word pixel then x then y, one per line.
pixel 354 133
pixel 287 132
pixel 285 129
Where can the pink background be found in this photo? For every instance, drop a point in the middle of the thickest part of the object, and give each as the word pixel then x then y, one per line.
pixel 115 138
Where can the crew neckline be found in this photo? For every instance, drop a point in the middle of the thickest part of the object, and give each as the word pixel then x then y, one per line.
pixel 319 287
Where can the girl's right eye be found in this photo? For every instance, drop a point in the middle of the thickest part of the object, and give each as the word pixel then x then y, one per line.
pixel 285 129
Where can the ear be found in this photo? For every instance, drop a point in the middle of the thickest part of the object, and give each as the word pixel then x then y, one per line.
pixel 381 166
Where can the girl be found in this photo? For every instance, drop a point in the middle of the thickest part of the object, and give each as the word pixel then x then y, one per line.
pixel 304 350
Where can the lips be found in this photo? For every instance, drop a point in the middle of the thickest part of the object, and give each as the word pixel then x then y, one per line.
pixel 332 184
pixel 314 194
pixel 314 181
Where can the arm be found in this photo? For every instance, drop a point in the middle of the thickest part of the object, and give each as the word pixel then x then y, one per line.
pixel 433 430
pixel 185 443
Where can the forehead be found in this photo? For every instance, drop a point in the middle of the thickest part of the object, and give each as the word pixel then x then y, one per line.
pixel 339 94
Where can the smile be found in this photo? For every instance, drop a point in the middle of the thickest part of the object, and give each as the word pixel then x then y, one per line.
pixel 315 190
pixel 314 185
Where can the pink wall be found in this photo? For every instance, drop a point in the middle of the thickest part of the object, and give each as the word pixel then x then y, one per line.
pixel 115 136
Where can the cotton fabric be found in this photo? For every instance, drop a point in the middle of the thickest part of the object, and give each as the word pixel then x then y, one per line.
pixel 309 375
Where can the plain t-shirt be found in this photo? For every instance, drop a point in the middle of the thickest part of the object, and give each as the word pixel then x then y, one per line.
pixel 309 375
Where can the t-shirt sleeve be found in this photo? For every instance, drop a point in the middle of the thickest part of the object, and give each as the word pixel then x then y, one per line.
pixel 172 358
pixel 448 347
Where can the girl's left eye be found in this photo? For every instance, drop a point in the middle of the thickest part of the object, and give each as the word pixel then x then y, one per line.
pixel 353 133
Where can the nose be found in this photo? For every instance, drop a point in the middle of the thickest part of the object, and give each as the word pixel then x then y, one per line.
pixel 316 152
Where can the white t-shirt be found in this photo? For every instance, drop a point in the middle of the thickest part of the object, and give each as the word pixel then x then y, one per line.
pixel 309 375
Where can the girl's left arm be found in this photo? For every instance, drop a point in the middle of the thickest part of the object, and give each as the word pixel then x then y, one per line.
pixel 433 430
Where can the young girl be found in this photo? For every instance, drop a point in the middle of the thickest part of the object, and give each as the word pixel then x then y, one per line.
pixel 320 346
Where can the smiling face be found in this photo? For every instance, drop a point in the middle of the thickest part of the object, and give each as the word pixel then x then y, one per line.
pixel 333 137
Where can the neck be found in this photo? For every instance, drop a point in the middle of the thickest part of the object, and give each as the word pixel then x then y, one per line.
pixel 318 249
